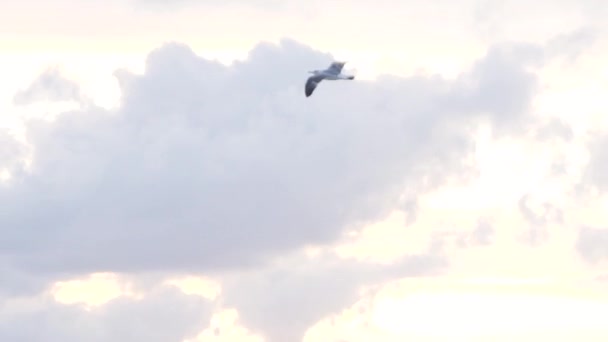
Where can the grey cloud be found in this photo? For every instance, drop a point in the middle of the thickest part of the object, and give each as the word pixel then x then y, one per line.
pixel 559 167
pixel 481 235
pixel 554 129
pixel 49 86
pixel 282 302
pixel 536 232
pixel 164 315
pixel 205 167
pixel 534 235
pixel 595 175
pixel 572 44
pixel 17 282
pixel 12 153
pixel 500 87
pixel 549 213
pixel 592 244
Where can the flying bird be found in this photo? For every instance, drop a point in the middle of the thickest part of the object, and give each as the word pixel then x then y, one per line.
pixel 333 72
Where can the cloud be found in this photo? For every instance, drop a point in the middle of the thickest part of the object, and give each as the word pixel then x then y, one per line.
pixel 207 167
pixel 481 235
pixel 19 282
pixel 500 87
pixel 574 43
pixel 164 315
pixel 538 219
pixel 12 153
pixel 51 85
pixel 554 129
pixel 295 295
pixel 592 244
pixel 595 175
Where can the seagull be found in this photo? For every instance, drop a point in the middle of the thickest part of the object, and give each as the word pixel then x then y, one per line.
pixel 333 72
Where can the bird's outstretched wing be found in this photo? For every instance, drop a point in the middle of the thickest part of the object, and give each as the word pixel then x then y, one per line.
pixel 336 67
pixel 312 83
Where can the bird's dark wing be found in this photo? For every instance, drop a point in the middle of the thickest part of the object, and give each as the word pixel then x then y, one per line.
pixel 312 83
pixel 336 67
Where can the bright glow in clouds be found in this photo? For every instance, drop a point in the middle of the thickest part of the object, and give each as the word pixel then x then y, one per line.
pixel 198 286
pixel 93 291
pixel 464 312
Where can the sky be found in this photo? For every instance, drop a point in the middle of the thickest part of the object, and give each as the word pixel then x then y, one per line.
pixel 163 177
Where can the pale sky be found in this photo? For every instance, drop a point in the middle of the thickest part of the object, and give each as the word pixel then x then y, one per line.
pixel 164 178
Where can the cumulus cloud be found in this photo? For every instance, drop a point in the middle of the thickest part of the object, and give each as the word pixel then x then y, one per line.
pixel 208 168
pixel 205 166
pixel 163 315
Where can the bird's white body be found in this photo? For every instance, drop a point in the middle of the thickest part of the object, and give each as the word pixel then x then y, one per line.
pixel 332 77
pixel 329 75
pixel 332 73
